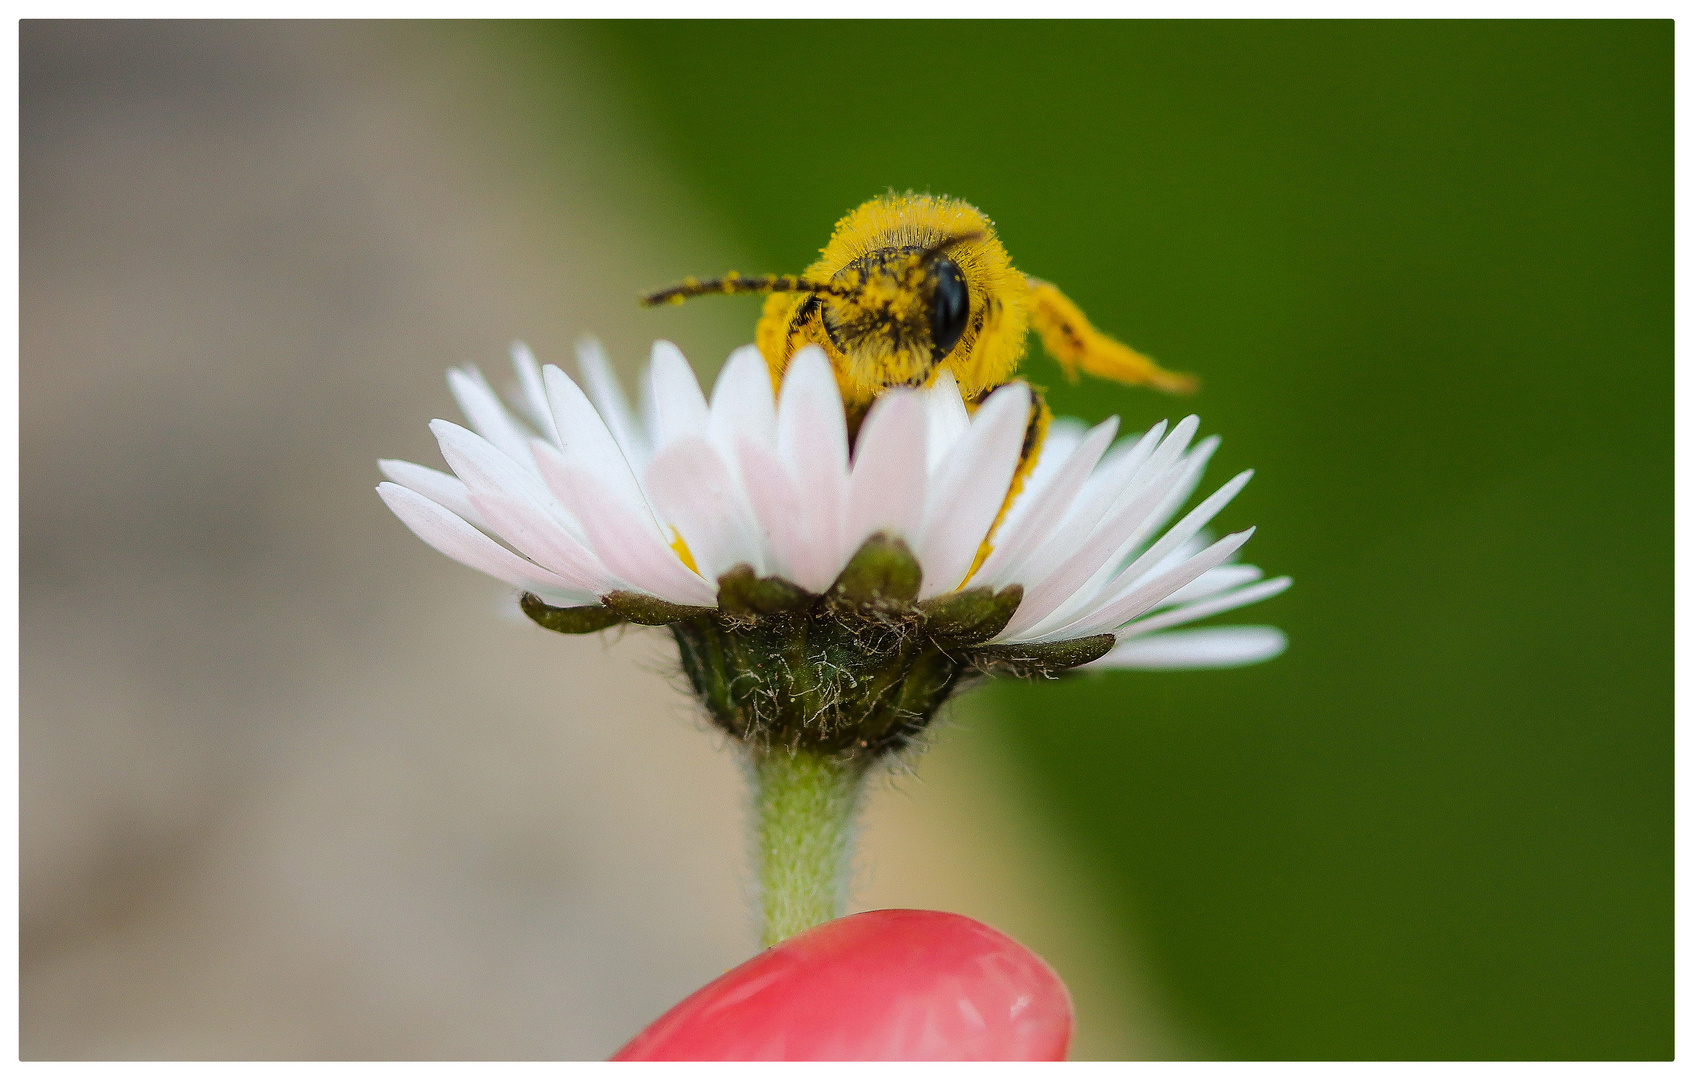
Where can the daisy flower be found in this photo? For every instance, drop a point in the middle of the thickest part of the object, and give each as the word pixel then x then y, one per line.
pixel 830 583
pixel 572 495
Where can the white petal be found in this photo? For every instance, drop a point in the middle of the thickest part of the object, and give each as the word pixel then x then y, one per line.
pixel 1187 472
pixel 457 539
pixel 1126 458
pixel 1200 541
pixel 948 418
pixel 1212 606
pixel 1212 647
pixel 888 478
pixel 518 507
pixel 533 533
pixel 1148 591
pixel 1110 577
pixel 1174 445
pixel 1053 599
pixel 434 485
pixel 1123 474
pixel 1212 582
pixel 743 403
pixel 534 395
pixel 678 407
pixel 697 495
pixel 1022 533
pixel 609 400
pixel 586 442
pixel 1192 468
pixel 1063 436
pixel 623 541
pixel 1166 459
pixel 486 469
pixel 1196 519
pixel 1119 472
pixel 487 415
pixel 812 444
pixel 556 473
pixel 969 488
pixel 774 497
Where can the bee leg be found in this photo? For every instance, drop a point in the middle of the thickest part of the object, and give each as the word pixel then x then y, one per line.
pixel 1077 346
pixel 1034 436
pixel 1040 418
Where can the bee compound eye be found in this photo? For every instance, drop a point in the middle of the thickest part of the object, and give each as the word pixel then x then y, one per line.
pixel 949 307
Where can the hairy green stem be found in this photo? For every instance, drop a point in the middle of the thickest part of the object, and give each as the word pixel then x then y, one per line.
pixel 818 687
pixel 807 804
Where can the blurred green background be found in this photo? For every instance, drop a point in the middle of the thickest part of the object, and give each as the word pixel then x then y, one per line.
pixel 1425 272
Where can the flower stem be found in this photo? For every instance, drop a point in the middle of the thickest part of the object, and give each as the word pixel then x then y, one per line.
pixel 807 805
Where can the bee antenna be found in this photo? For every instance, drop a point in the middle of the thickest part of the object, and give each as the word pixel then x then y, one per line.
pixel 732 283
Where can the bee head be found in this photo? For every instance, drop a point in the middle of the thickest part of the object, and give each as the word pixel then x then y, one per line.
pixel 895 313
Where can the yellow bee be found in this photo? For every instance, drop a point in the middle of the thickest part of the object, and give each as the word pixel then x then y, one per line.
pixel 911 285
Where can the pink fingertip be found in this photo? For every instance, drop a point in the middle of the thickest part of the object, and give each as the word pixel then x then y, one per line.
pixel 894 985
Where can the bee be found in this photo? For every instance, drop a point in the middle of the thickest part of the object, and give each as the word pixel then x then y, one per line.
pixel 911 285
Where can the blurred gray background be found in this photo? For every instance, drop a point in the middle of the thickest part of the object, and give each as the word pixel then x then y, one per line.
pixel 292 784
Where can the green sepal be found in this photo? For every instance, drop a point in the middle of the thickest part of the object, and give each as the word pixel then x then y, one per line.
pixel 1043 658
pixel 883 574
pixel 742 592
pixel 970 616
pixel 644 610
pixel 568 620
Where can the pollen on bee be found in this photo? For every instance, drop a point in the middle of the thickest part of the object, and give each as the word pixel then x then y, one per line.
pixel 868 303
